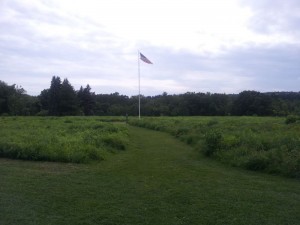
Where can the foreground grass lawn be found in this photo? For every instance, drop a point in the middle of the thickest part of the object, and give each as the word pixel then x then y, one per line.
pixel 157 180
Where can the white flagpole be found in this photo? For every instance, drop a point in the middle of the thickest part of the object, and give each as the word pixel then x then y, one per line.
pixel 139 85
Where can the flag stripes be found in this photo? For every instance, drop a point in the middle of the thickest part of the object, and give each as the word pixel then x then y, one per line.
pixel 144 59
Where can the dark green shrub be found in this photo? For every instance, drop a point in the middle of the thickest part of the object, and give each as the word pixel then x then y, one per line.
pixel 230 142
pixel 291 119
pixel 181 131
pixel 190 139
pixel 115 141
pixel 43 113
pixel 212 122
pixel 213 142
pixel 257 163
pixel 94 154
pixel 98 126
pixel 291 163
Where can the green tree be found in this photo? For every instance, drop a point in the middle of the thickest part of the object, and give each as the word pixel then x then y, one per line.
pixel 86 100
pixel 44 99
pixel 54 96
pixel 252 103
pixel 5 92
pixel 68 104
pixel 12 99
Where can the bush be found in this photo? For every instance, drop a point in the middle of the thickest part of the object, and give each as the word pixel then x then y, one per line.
pixel 291 119
pixel 181 131
pixel 291 163
pixel 230 141
pixel 257 162
pixel 115 141
pixel 213 142
pixel 43 113
pixel 212 122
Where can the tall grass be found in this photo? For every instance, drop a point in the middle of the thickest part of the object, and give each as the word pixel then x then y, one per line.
pixel 255 143
pixel 64 139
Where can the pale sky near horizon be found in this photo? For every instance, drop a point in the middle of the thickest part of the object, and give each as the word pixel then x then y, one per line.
pixel 217 46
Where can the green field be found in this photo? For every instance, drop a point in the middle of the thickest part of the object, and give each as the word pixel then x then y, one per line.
pixel 64 139
pixel 265 144
pixel 156 179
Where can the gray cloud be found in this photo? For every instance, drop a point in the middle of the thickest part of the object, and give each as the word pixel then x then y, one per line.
pixel 271 16
pixel 271 68
pixel 38 41
pixel 254 67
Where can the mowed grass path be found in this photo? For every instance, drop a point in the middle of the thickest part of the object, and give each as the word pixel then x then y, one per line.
pixel 157 181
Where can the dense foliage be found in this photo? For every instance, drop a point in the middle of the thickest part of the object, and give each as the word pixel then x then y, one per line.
pixel 65 139
pixel 15 101
pixel 255 143
pixel 61 99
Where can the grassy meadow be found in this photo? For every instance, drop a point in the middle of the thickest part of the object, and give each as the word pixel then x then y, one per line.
pixel 265 144
pixel 63 139
pixel 156 180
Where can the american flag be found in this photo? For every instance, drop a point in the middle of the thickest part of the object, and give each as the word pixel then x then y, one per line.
pixel 144 59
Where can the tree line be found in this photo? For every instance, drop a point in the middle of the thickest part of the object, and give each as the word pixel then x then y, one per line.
pixel 61 99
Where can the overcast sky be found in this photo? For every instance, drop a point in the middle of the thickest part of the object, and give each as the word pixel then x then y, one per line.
pixel 218 46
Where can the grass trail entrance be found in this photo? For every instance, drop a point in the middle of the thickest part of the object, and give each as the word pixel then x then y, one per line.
pixel 158 180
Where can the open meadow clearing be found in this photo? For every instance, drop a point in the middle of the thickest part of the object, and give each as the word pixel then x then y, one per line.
pixel 155 179
pixel 267 144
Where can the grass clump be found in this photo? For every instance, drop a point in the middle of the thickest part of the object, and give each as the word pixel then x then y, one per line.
pixel 72 139
pixel 213 142
pixel 292 119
